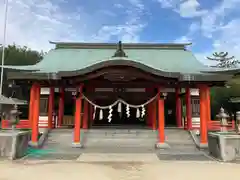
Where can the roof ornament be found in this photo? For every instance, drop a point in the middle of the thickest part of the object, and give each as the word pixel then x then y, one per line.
pixel 120 52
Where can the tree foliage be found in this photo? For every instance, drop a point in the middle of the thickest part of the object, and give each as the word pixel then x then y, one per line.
pixel 220 96
pixel 17 56
pixel 223 61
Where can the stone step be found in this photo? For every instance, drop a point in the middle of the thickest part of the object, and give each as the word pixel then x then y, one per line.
pixel 128 131
pixel 114 139
pixel 122 135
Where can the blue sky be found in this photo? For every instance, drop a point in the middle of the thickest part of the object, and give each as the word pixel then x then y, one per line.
pixel 211 25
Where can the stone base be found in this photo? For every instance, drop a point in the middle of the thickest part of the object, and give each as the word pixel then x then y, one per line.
pixel 77 145
pixel 162 146
pixel 33 144
pixel 203 146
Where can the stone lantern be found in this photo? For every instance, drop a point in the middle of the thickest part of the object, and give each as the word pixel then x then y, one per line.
pixel 223 117
pixel 14 116
pixel 238 121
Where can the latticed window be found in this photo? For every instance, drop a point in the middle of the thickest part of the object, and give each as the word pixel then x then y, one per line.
pixel 195 106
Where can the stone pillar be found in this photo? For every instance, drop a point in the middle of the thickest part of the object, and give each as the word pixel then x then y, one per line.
pixel 77 127
pixel 85 115
pixel 188 109
pixel 203 115
pixel 178 108
pixel 50 107
pixel 61 107
pixel 154 115
pixel 208 103
pixel 35 119
pixel 31 104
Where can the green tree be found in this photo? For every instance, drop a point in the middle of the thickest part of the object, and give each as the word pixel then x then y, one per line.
pixel 223 61
pixel 18 56
pixel 220 96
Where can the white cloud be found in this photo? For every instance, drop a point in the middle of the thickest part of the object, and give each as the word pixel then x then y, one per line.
pixel 35 22
pixel 229 39
pixel 190 8
pixel 169 3
pixel 188 38
pixel 211 23
pixel 185 8
pixel 225 35
pixel 130 29
pixel 183 39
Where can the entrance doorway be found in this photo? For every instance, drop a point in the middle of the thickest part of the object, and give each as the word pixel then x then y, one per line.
pixel 170 110
pixel 69 110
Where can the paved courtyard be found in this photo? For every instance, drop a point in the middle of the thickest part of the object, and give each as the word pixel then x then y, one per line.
pixel 151 170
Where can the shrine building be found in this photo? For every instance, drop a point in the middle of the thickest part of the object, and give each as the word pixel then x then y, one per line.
pixel 94 85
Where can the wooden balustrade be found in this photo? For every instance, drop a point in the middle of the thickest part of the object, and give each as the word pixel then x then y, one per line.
pixel 215 125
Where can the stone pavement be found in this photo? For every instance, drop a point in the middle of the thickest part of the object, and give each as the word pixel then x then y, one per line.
pixel 117 156
pixel 155 170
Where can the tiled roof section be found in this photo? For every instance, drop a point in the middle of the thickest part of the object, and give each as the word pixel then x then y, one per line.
pixel 168 60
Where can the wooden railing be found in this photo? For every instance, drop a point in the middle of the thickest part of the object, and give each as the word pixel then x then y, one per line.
pixel 215 125
pixel 68 121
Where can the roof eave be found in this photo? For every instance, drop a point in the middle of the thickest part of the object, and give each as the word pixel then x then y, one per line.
pixel 224 71
pixel 205 77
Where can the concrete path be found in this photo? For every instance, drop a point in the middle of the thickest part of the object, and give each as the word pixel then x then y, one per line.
pixel 118 157
pixel 63 170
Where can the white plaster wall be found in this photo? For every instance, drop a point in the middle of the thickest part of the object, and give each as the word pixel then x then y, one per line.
pixel 43 122
pixel 196 122
pixel 46 91
pixel 194 92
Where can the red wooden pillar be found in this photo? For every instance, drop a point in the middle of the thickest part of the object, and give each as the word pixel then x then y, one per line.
pixel 203 115
pixel 188 109
pixel 61 107
pixel 85 115
pixel 50 107
pixel 154 115
pixel 208 104
pixel 77 131
pixel 31 104
pixel 161 120
pixel 178 108
pixel 35 115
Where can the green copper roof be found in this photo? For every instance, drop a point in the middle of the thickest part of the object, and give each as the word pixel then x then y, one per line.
pixel 168 60
pixel 73 59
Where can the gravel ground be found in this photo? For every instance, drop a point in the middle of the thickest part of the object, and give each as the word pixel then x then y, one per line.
pixel 62 170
